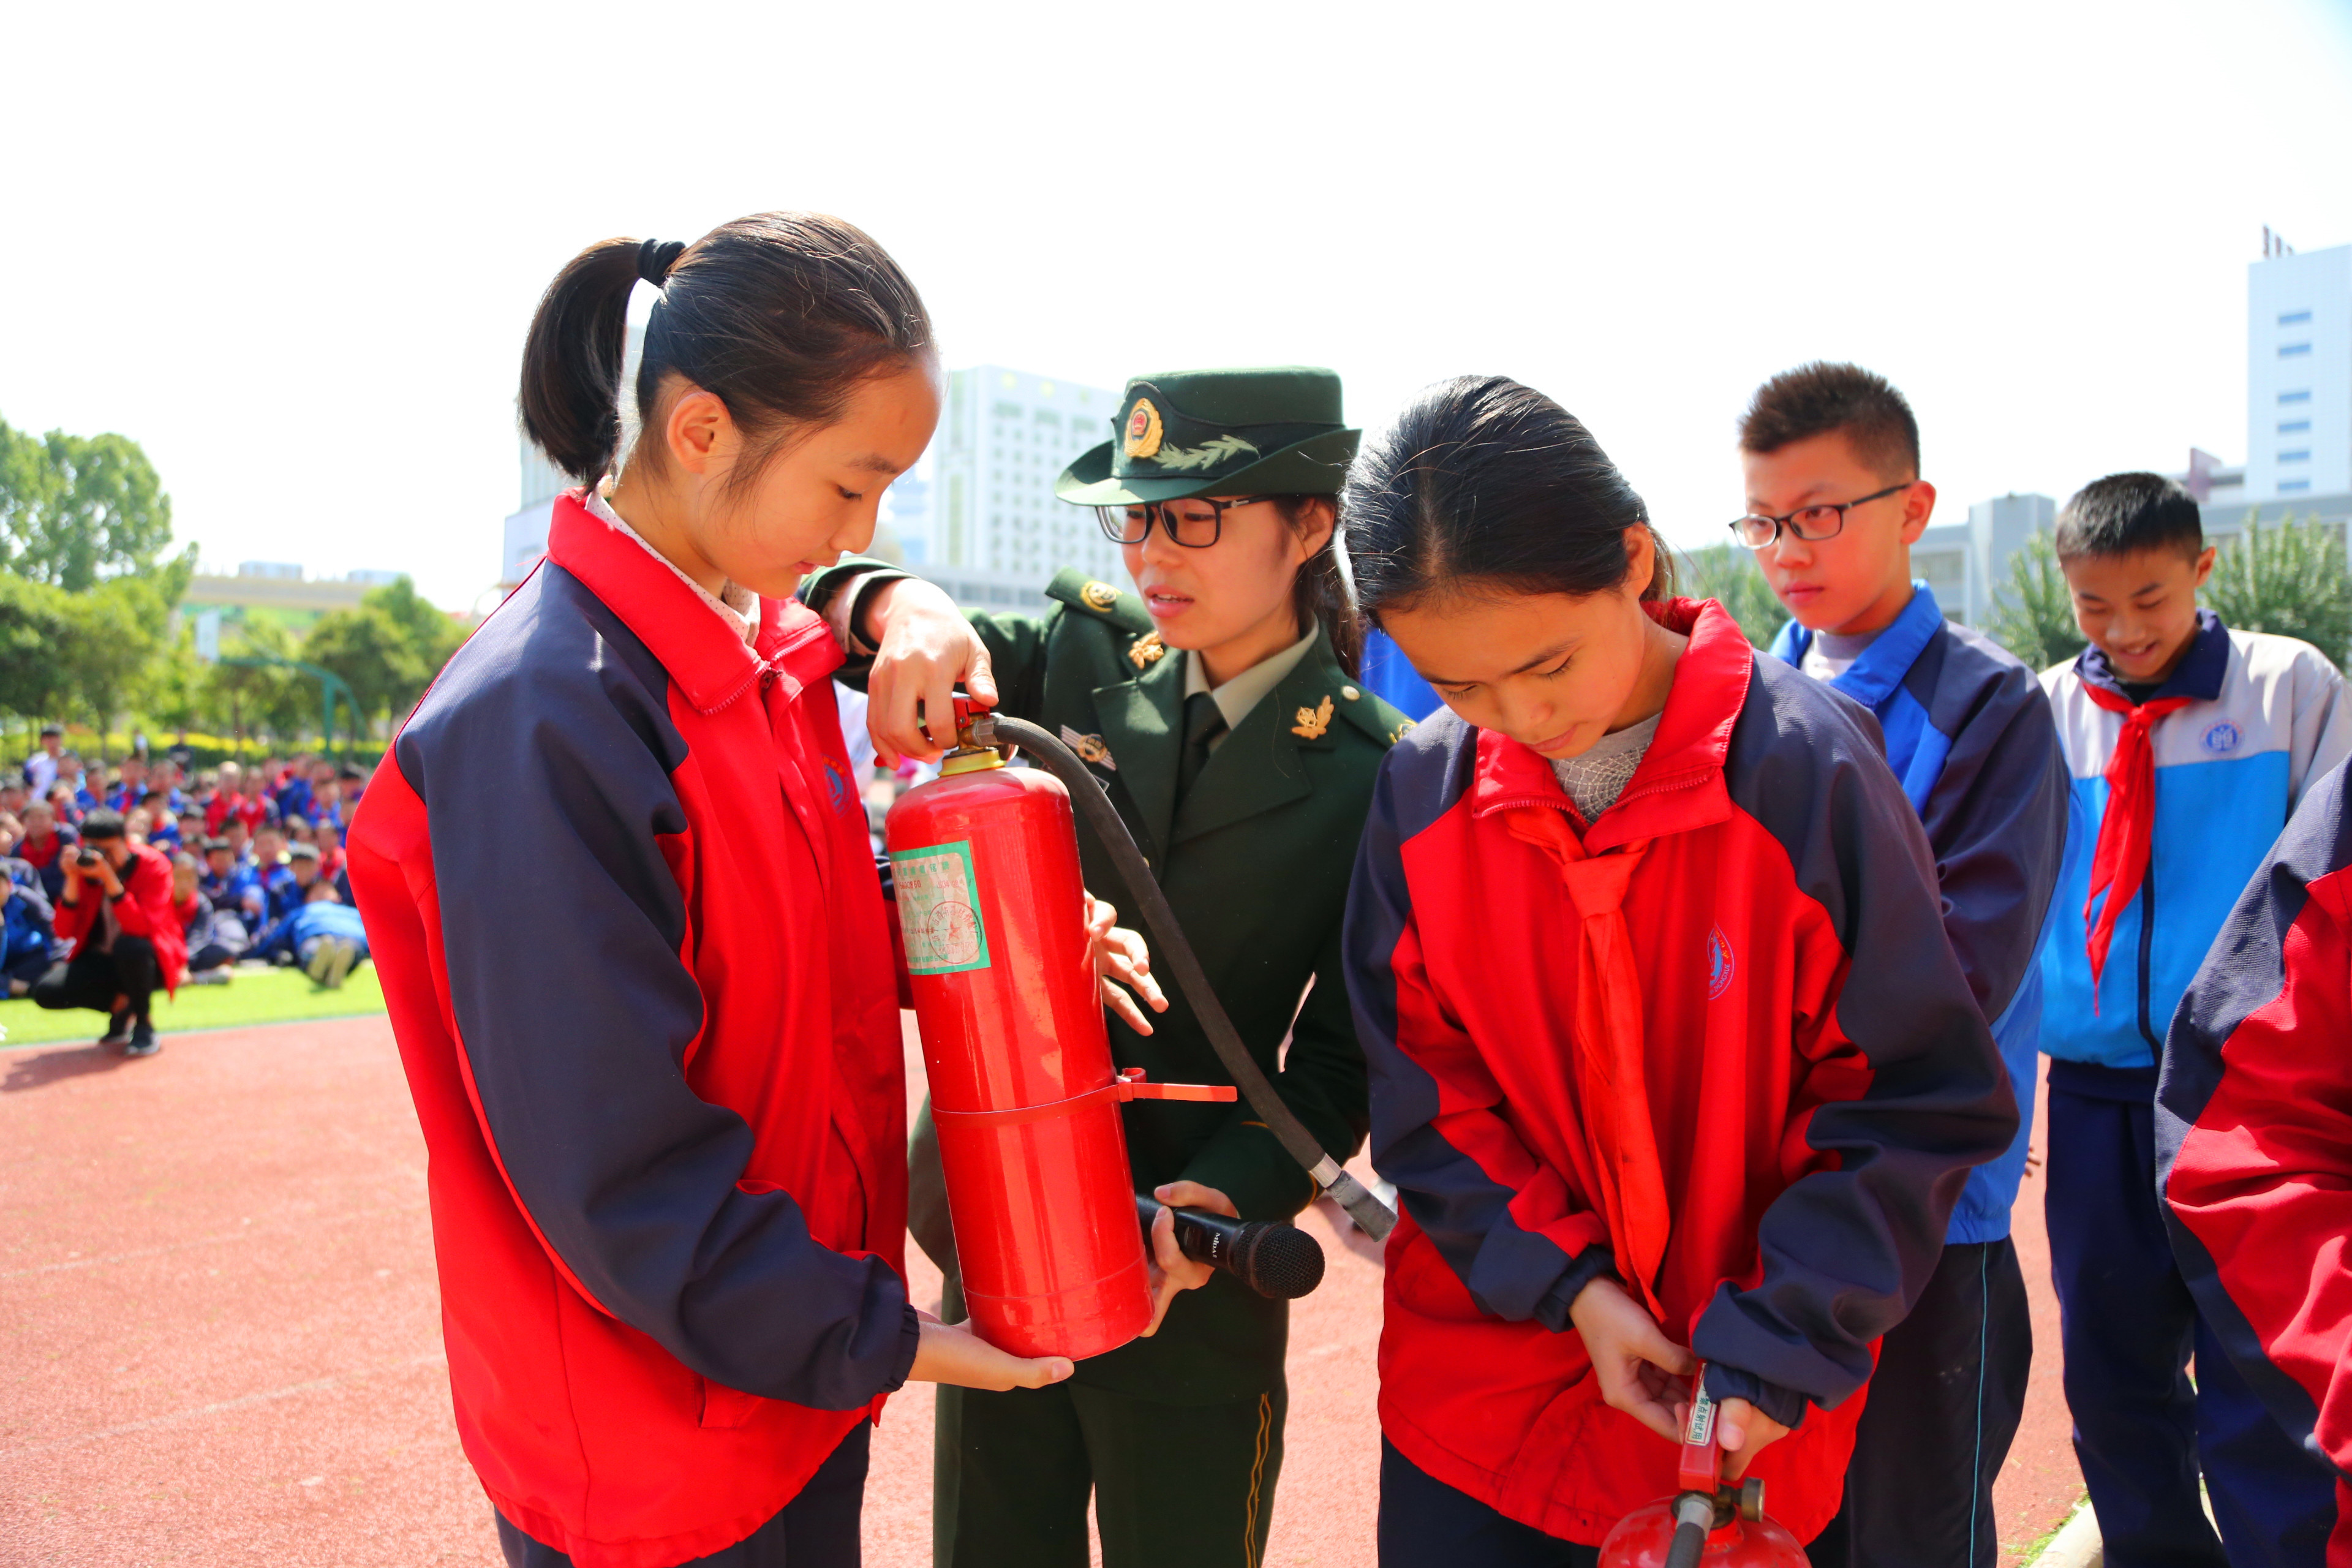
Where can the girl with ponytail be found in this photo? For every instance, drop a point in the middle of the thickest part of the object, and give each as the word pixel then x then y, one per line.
pixel 1671 1061
pixel 618 885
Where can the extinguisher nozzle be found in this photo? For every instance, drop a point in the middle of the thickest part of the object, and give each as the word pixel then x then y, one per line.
pixel 1373 1217
pixel 1694 1518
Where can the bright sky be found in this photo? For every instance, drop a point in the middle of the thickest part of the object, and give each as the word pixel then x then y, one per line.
pixel 292 249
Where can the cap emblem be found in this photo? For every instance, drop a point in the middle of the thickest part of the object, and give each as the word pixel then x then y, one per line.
pixel 1142 430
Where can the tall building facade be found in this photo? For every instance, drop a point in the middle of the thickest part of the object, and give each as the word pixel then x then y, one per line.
pixel 1966 563
pixel 2299 374
pixel 988 504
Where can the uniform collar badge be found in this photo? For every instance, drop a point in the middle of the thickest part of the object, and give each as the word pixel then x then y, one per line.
pixel 1146 651
pixel 1313 722
pixel 1089 748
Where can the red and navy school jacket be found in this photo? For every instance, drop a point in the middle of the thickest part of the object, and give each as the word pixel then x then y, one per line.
pixel 2254 1129
pixel 1819 1081
pixel 1969 737
pixel 618 886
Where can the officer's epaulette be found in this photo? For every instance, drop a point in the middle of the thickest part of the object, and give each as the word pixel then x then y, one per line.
pixel 1092 597
pixel 1374 716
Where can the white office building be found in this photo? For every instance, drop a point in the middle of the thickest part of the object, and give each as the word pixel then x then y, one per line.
pixel 981 507
pixel 2299 376
pixel 1966 563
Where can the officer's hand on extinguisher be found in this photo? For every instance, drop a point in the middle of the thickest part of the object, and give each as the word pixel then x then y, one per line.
pixel 1122 960
pixel 924 650
pixel 951 1352
pixel 1170 1270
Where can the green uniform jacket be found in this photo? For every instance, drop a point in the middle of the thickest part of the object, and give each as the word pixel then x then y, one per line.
pixel 1255 865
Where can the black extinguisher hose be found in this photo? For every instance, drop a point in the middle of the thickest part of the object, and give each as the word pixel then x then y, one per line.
pixel 1372 1216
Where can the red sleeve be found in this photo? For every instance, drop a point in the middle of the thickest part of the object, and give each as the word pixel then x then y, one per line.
pixel 2255 1130
pixel 74 920
pixel 145 908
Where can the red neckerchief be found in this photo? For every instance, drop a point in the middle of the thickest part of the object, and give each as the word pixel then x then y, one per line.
pixel 1612 1091
pixel 2119 863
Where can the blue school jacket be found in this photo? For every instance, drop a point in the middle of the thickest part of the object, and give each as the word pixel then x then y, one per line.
pixel 2267 720
pixel 1970 739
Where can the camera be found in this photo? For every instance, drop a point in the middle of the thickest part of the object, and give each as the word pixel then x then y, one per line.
pixel 86 860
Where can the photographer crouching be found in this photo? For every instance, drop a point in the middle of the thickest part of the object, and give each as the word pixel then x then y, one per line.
pixel 116 908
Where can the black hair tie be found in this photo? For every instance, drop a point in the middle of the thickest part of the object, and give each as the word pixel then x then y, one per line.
pixel 657 257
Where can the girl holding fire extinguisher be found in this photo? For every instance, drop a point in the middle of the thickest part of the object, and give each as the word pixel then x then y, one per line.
pixel 1219 707
pixel 1670 1062
pixel 633 942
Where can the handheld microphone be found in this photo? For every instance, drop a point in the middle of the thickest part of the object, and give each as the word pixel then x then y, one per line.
pixel 1278 1261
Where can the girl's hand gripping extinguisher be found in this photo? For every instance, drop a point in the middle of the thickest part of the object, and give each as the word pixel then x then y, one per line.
pixel 1707 1522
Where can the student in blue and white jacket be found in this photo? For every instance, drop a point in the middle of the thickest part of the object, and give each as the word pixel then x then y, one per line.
pixel 2189 744
pixel 1830 455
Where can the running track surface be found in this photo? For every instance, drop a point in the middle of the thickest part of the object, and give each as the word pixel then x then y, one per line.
pixel 220 1336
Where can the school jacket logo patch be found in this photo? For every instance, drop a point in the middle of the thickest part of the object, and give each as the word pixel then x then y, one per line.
pixel 2221 740
pixel 1720 967
pixel 836 788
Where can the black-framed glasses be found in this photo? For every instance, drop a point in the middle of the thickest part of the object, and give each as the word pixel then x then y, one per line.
pixel 1810 523
pixel 1196 522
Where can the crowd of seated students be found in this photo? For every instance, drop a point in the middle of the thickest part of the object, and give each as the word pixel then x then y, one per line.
pixel 243 864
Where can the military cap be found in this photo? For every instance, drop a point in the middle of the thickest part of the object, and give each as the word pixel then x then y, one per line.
pixel 1270 431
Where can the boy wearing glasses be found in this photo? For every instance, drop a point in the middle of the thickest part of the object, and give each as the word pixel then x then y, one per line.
pixel 2189 744
pixel 1830 456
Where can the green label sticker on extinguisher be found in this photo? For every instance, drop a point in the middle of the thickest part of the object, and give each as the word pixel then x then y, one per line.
pixel 1701 1429
pixel 938 908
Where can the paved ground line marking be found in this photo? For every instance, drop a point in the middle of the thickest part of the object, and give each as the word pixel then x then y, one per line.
pixel 238 1235
pixel 246 1402
pixel 72 1043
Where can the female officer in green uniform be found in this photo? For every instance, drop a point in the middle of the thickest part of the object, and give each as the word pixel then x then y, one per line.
pixel 1219 708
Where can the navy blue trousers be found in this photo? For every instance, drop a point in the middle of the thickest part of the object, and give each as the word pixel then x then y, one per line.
pixel 2129 1327
pixel 818 1529
pixel 1944 1405
pixel 1423 1521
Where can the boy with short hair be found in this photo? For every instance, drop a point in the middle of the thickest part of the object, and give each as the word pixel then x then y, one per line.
pixel 1831 454
pixel 2189 744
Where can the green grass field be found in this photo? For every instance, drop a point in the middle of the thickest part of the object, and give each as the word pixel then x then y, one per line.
pixel 254 996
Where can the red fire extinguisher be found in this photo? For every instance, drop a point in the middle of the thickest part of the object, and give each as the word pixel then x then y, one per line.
pixel 1707 1522
pixel 985 860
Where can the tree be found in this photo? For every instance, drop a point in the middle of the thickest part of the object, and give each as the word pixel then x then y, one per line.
pixel 1729 574
pixel 388 650
pixel 181 694
pixel 76 510
pixel 2290 579
pixel 271 697
pixel 36 620
pixel 2035 618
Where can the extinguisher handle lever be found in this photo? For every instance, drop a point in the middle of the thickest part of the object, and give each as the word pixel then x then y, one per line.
pixel 1699 1466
